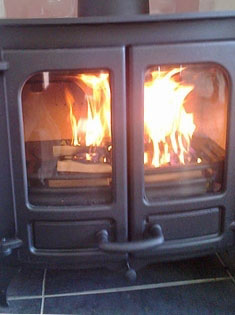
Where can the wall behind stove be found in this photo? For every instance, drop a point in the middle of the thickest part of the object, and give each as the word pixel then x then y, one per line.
pixel 38 8
pixel 68 8
pixel 180 6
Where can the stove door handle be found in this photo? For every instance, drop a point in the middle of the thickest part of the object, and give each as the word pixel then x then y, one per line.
pixel 130 247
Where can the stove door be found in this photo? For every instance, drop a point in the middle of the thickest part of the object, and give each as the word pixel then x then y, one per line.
pixel 178 154
pixel 67 117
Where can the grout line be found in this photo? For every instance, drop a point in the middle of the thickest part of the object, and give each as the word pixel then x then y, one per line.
pixel 122 289
pixel 43 291
pixel 220 260
pixel 141 287
pixel 230 276
pixel 226 268
pixel 24 297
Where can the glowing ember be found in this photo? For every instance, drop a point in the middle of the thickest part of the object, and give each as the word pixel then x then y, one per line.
pixel 96 126
pixel 199 160
pixel 168 127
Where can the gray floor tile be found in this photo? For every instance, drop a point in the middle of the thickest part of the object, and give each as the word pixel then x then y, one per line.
pixel 81 280
pixel 208 298
pixel 22 307
pixel 26 282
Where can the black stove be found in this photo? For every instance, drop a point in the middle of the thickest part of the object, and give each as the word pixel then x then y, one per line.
pixel 116 142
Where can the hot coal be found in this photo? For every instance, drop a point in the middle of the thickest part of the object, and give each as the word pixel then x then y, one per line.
pixel 94 155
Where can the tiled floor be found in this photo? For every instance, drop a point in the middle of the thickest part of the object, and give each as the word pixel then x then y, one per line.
pixel 196 286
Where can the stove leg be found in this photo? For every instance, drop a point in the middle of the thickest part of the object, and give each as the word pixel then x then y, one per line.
pixel 130 273
pixel 3 298
pixel 7 273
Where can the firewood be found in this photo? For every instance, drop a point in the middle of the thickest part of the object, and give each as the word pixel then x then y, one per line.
pixel 64 150
pixel 78 167
pixel 68 183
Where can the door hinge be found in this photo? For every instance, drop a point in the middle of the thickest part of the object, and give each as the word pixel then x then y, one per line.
pixel 8 244
pixel 4 66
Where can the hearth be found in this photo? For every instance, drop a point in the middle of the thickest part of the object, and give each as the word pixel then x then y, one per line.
pixel 117 140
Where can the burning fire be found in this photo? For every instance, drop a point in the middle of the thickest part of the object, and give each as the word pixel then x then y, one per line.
pixel 92 129
pixel 168 127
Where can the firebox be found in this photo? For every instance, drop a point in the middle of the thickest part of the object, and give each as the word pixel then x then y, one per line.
pixel 184 146
pixel 68 141
pixel 117 139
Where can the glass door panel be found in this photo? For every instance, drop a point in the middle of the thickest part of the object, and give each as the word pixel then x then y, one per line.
pixel 67 133
pixel 185 122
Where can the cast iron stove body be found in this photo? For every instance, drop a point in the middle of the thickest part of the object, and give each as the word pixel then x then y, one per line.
pixel 117 139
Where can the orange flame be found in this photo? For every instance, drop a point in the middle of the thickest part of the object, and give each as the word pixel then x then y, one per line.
pixel 168 127
pixel 97 125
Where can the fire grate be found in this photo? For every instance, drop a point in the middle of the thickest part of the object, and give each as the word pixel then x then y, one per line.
pixel 47 184
pixel 191 179
pixel 194 178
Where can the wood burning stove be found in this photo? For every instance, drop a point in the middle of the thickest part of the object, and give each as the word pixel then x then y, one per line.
pixel 117 140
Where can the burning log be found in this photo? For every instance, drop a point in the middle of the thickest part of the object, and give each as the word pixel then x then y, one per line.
pixel 83 159
pixel 79 167
pixel 79 152
pixel 64 150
